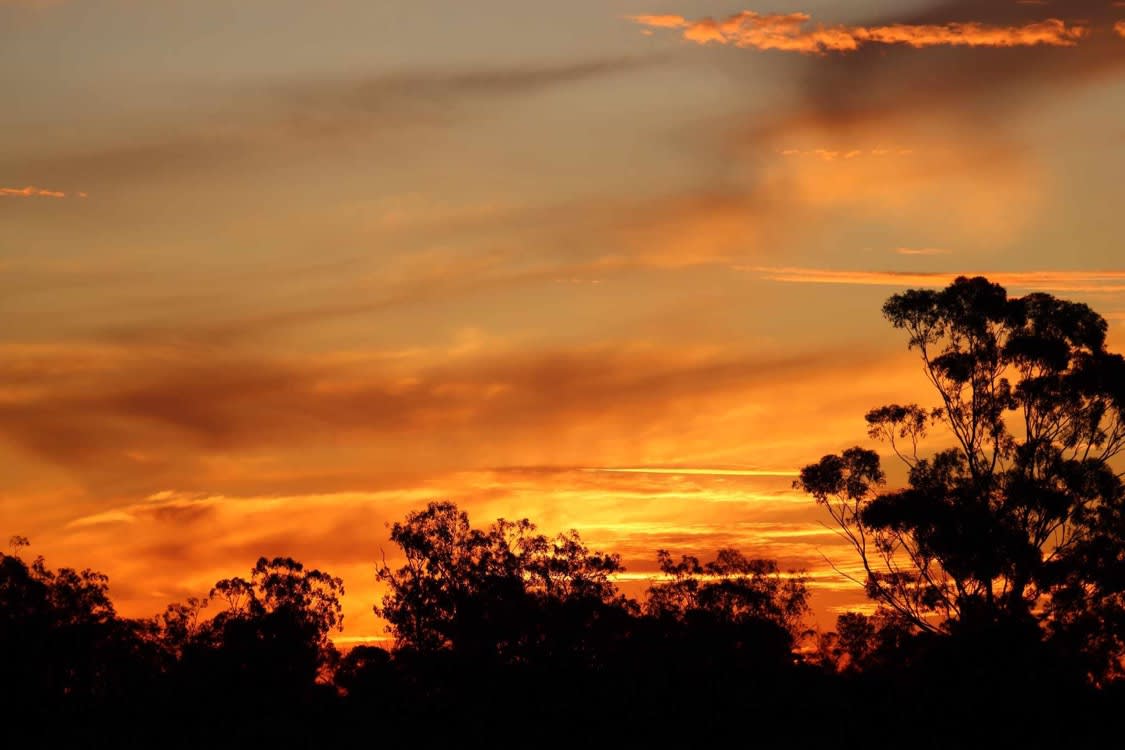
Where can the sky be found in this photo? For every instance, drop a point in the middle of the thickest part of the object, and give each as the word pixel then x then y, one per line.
pixel 274 273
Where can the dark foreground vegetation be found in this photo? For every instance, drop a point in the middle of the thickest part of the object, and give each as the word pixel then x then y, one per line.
pixel 998 571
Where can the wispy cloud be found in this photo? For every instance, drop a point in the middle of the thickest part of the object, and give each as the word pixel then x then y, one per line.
pixel 420 85
pixel 30 191
pixel 699 471
pixel 139 418
pixel 311 117
pixel 1119 27
pixel 828 154
pixel 922 251
pixel 791 32
pixel 1062 281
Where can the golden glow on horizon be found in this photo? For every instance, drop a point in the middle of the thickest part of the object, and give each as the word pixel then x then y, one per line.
pixel 702 472
pixel 1060 281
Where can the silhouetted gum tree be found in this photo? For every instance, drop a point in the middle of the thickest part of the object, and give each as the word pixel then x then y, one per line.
pixel 494 593
pixel 61 642
pixel 731 588
pixel 283 586
pixel 730 615
pixel 1022 520
pixel 273 630
pixel 862 641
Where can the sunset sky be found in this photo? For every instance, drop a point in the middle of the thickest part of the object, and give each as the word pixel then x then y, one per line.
pixel 275 272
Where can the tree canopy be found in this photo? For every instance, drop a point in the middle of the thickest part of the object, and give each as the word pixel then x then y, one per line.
pixel 1021 519
pixel 494 592
pixel 731 588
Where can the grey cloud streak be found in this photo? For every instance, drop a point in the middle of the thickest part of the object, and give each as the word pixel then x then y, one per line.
pixel 293 120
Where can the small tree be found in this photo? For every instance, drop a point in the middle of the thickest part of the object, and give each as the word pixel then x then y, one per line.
pixel 1022 519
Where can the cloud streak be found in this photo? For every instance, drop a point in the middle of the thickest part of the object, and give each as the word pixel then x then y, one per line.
pixel 791 32
pixel 31 191
pixel 311 118
pixel 827 154
pixel 699 471
pixel 1062 281
pixel 377 92
pixel 134 418
pixel 922 251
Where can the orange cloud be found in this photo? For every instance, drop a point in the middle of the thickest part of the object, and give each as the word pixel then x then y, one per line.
pixel 914 192
pixel 34 192
pixel 660 21
pixel 789 32
pixel 138 418
pixel 1119 27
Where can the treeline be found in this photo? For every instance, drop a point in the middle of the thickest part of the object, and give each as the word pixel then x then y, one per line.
pixel 506 636
pixel 997 570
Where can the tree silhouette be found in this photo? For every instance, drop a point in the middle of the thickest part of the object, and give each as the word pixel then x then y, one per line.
pixel 862 641
pixel 268 646
pixel 732 613
pixel 731 588
pixel 283 586
pixel 505 627
pixel 69 663
pixel 364 672
pixel 178 626
pixel 495 593
pixel 1021 522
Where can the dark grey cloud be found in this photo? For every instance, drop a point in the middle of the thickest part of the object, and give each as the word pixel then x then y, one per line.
pixel 980 84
